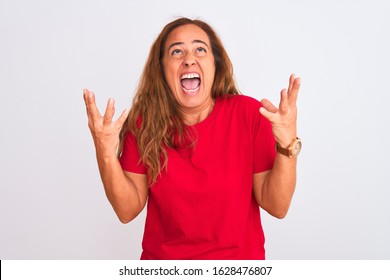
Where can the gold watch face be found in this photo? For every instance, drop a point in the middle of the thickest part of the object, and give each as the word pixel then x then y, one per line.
pixel 297 148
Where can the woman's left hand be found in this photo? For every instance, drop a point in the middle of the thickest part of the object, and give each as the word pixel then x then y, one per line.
pixel 284 118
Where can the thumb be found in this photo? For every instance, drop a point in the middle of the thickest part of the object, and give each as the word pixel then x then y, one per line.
pixel 121 120
pixel 268 115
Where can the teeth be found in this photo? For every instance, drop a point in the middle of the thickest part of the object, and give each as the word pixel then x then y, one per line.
pixel 191 90
pixel 190 76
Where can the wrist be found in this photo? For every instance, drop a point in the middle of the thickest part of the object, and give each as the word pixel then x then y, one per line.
pixel 284 135
pixel 284 139
pixel 106 156
pixel 292 150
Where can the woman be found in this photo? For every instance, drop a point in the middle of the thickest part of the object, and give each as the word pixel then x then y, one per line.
pixel 201 154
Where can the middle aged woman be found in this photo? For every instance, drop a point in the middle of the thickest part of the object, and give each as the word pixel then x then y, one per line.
pixel 201 154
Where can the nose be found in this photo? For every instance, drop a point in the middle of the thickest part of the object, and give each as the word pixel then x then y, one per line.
pixel 189 60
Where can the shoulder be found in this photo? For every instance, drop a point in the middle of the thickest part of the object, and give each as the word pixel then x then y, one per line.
pixel 244 109
pixel 241 102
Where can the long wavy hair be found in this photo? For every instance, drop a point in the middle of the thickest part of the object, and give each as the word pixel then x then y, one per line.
pixel 155 117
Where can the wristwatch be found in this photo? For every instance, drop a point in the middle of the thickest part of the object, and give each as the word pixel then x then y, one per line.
pixel 292 150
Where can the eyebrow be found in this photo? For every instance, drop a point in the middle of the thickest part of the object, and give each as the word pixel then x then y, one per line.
pixel 182 43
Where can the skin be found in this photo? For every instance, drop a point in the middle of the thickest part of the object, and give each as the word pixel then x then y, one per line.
pixel 126 191
pixel 188 51
pixel 274 189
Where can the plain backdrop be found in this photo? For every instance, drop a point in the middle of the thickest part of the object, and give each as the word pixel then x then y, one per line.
pixel 52 202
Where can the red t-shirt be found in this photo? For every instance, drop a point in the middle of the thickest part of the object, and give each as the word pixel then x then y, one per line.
pixel 202 206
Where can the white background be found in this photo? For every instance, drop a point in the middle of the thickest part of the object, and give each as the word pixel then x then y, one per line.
pixel 52 203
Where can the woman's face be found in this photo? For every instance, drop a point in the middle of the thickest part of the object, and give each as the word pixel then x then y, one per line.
pixel 189 67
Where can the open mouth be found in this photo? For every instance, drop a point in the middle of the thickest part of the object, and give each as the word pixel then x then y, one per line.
pixel 190 82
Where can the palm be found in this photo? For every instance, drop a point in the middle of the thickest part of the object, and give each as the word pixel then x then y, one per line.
pixel 283 118
pixel 105 131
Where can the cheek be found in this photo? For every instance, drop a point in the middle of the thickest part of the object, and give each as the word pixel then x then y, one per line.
pixel 170 69
pixel 210 72
pixel 169 75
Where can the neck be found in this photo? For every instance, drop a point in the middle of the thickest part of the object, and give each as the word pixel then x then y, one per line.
pixel 196 115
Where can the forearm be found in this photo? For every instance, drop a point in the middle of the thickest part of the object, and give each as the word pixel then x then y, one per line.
pixel 127 192
pixel 274 189
pixel 276 193
pixel 120 190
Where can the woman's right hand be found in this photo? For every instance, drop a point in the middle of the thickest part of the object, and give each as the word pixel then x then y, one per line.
pixel 126 191
pixel 105 131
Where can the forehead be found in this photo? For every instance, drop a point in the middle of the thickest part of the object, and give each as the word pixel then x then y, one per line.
pixel 186 34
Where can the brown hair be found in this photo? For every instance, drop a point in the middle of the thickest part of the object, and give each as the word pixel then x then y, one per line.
pixel 155 117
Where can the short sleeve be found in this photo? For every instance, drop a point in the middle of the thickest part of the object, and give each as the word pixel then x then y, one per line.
pixel 130 158
pixel 264 151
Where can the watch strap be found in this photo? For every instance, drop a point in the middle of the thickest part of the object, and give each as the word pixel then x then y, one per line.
pixel 282 150
pixel 289 150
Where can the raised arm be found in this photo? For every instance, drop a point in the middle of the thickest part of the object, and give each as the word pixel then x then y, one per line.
pixel 274 189
pixel 126 191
